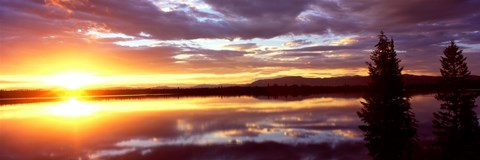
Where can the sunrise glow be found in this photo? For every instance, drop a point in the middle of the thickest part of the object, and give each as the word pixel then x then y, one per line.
pixel 210 42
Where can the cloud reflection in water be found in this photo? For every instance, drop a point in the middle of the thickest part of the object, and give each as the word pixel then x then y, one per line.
pixel 148 127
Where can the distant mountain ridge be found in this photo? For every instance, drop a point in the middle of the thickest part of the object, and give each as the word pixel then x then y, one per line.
pixel 301 81
pixel 344 81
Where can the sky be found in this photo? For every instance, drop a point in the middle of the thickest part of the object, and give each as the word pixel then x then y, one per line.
pixel 138 43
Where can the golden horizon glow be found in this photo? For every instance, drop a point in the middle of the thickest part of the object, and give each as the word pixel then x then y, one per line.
pixel 76 80
pixel 72 81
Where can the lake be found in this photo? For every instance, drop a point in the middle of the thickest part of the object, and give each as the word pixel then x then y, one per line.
pixel 244 127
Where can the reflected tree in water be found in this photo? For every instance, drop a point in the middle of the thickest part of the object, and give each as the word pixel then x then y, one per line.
pixel 456 124
pixel 389 125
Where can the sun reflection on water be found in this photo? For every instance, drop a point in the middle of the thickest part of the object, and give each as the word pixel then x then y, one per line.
pixel 140 125
pixel 72 108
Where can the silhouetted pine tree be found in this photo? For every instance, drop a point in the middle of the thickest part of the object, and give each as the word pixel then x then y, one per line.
pixel 456 124
pixel 390 127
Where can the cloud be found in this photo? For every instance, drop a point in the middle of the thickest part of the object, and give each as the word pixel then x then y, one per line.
pixel 241 47
pixel 217 36
pixel 325 48
pixel 297 43
pixel 260 9
pixel 66 5
pixel 259 18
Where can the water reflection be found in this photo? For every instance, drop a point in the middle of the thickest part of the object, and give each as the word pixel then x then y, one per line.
pixel 190 128
pixel 456 126
pixel 72 108
pixel 117 128
pixel 390 129
pixel 78 106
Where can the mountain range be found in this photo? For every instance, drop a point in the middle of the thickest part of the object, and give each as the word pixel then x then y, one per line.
pixel 346 81
pixel 334 81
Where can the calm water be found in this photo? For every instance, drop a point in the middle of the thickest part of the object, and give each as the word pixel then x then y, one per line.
pixel 323 127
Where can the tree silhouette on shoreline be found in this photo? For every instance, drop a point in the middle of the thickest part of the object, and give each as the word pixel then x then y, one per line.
pixel 456 124
pixel 390 126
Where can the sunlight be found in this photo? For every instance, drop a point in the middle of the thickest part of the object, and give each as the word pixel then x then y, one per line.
pixel 72 81
pixel 72 108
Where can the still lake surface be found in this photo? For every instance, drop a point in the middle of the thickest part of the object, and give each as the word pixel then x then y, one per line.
pixel 244 127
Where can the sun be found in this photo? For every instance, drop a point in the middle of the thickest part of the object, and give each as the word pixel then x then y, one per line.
pixel 72 81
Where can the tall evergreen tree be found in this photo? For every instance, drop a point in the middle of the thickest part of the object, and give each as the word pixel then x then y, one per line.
pixel 390 127
pixel 454 69
pixel 456 124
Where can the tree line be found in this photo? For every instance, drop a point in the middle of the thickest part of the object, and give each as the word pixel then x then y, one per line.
pixel 390 127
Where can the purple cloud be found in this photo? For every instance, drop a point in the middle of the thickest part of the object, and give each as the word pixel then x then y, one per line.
pixel 419 28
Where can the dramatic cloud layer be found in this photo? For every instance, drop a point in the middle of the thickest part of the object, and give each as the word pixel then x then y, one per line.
pixel 252 38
